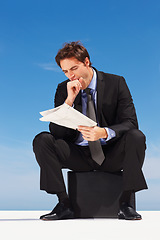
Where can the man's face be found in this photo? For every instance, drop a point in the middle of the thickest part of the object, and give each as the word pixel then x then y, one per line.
pixel 76 70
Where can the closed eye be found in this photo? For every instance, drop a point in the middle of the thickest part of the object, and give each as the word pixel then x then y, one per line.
pixel 71 69
pixel 74 68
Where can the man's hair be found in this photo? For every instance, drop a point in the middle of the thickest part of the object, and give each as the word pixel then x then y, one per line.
pixel 72 49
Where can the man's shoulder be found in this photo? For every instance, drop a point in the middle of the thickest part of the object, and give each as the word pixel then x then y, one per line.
pixel 63 84
pixel 111 76
pixel 110 80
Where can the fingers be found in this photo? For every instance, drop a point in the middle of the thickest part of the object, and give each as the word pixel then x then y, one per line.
pixel 84 128
pixel 81 80
pixel 74 86
pixel 92 133
pixel 88 133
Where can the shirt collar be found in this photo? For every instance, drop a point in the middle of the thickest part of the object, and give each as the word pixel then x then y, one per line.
pixel 93 83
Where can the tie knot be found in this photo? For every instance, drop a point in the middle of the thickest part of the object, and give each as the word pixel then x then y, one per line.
pixel 88 91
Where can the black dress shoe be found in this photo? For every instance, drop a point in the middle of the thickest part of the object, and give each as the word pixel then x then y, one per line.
pixel 59 212
pixel 127 212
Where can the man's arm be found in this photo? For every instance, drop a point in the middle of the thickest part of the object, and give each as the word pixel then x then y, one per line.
pixel 58 131
pixel 73 88
pixel 126 117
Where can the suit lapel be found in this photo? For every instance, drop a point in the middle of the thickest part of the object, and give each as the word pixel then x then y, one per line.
pixel 100 93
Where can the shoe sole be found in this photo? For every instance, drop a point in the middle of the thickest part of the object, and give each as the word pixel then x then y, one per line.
pixel 70 216
pixel 122 217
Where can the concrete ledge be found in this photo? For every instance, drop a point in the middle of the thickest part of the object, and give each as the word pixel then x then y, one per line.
pixel 26 225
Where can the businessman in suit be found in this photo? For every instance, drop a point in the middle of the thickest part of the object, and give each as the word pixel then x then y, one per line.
pixel 121 144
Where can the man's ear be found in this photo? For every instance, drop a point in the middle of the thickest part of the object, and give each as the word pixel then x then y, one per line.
pixel 87 62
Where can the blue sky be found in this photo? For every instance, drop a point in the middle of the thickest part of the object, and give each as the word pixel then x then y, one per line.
pixel 122 37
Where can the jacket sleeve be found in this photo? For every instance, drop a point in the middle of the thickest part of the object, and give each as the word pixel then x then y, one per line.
pixel 58 131
pixel 126 118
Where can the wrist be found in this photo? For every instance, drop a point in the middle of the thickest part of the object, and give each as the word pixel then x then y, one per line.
pixel 69 102
pixel 105 134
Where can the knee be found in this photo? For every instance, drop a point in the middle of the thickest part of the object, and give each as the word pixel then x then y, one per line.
pixel 40 140
pixel 136 136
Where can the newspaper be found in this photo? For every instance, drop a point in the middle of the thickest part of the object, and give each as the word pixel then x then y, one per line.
pixel 67 116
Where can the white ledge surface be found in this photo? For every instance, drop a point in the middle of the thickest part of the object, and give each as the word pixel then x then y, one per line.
pixel 26 225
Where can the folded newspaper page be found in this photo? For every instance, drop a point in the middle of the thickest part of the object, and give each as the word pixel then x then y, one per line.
pixel 67 116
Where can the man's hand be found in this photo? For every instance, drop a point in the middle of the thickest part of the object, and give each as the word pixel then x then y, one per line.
pixel 92 133
pixel 73 88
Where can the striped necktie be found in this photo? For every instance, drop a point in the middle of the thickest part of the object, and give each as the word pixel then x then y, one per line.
pixel 95 146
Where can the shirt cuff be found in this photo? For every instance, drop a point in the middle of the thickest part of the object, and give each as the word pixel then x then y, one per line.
pixel 111 134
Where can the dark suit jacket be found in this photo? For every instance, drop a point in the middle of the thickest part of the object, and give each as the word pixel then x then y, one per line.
pixel 115 108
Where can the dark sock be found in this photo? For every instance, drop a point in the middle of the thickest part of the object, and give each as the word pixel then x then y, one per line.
pixel 63 197
pixel 125 197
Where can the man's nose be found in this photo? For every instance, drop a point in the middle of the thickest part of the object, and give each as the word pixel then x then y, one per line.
pixel 70 75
